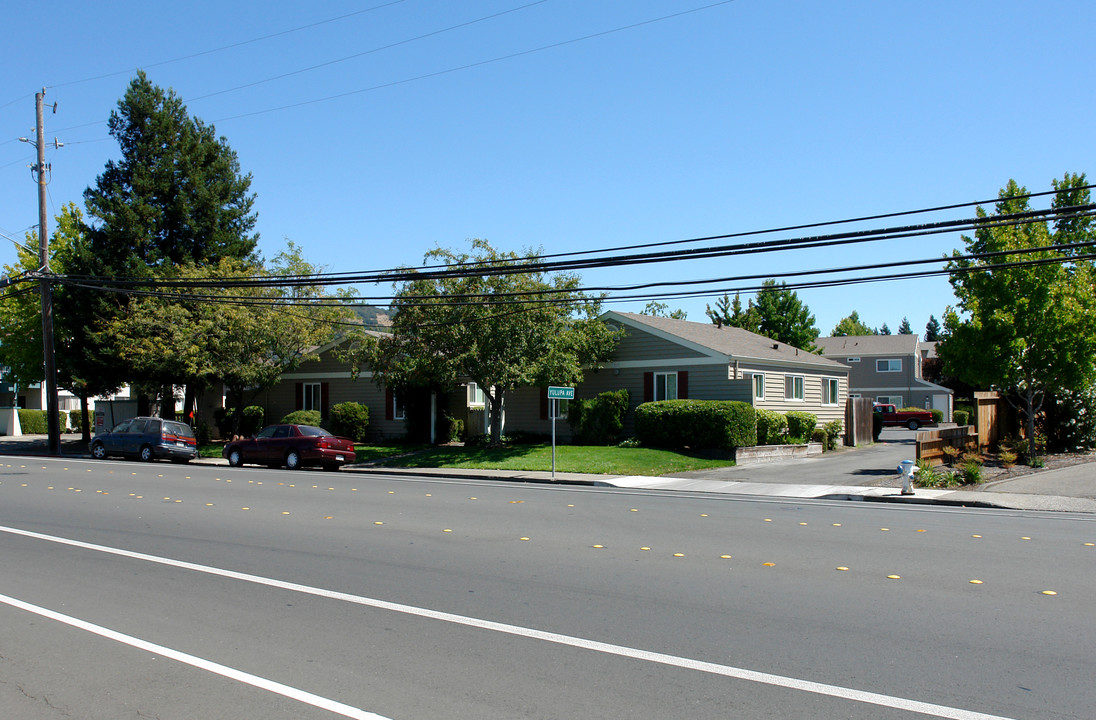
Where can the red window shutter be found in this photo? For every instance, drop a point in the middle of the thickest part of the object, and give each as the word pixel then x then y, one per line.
pixel 648 386
pixel 543 403
pixel 682 384
pixel 324 398
pixel 389 402
pixel 299 402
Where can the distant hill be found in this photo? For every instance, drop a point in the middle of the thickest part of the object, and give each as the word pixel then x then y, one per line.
pixel 374 317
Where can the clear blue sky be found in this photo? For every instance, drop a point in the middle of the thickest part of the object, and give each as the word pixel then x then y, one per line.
pixel 742 116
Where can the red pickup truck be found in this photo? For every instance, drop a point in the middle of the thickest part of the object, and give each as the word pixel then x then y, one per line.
pixel 912 419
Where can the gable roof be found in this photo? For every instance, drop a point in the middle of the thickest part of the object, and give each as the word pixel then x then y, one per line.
pixel 843 345
pixel 728 341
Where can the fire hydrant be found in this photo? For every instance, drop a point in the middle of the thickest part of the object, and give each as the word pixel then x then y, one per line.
pixel 907 469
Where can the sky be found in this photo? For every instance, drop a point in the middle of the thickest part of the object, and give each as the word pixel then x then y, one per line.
pixel 375 131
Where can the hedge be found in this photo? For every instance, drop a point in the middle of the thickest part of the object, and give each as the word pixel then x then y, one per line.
pixel 33 422
pixel 696 424
pixel 771 427
pixel 74 421
pixel 801 425
pixel 961 417
pixel 303 417
pixel 351 420
pixel 598 420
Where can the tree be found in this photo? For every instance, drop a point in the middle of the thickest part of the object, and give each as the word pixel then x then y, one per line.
pixel 884 330
pixel 1028 331
pixel 851 325
pixel 730 312
pixel 784 317
pixel 932 329
pixel 490 319
pixel 904 328
pixel 176 198
pixel 658 309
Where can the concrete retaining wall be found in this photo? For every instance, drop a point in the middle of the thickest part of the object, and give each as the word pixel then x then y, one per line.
pixel 775 453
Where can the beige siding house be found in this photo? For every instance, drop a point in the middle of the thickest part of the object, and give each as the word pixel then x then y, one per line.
pixel 665 359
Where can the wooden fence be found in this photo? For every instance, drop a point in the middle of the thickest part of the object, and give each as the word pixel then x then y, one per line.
pixel 931 443
pixel 858 412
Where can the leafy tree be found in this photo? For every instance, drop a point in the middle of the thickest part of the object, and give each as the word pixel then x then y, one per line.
pixel 904 328
pixel 851 325
pixel 730 312
pixel 1029 331
pixel 468 323
pixel 658 309
pixel 784 317
pixel 932 329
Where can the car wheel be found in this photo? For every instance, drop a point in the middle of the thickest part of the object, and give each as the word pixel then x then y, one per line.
pixel 99 451
pixel 235 459
pixel 913 424
pixel 146 454
pixel 293 460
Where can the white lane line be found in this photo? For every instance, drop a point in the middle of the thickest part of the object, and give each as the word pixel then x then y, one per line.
pixel 940 711
pixel 231 673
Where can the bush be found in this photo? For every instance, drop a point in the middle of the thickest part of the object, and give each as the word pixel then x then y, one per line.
pixel 833 431
pixel 801 425
pixel 696 424
pixel 937 415
pixel 33 422
pixel 599 420
pixel 819 435
pixel 971 472
pixel 350 419
pixel 303 417
pixel 452 427
pixel 961 417
pixel 927 476
pixel 771 427
pixel 202 433
pixel 251 421
pixel 75 421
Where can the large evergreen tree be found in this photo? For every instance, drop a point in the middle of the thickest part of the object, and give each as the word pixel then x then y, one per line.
pixel 932 329
pixel 852 325
pixel 904 328
pixel 778 313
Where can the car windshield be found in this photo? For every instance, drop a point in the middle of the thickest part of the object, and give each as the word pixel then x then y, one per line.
pixel 311 431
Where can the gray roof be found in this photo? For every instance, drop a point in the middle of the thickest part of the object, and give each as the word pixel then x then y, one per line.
pixel 730 341
pixel 853 345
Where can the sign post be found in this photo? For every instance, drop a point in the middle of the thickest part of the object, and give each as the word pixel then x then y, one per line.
pixel 555 394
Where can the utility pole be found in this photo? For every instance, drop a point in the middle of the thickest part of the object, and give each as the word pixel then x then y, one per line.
pixel 41 170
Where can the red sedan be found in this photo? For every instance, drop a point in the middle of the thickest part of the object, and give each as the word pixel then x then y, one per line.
pixel 293 446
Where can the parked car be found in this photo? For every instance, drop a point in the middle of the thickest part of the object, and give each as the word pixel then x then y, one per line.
pixel 912 419
pixel 147 438
pixel 293 446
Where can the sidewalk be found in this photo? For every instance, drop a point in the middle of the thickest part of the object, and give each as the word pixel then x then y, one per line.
pixel 863 474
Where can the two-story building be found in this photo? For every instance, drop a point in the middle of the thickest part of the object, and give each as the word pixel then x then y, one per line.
pixel 887 369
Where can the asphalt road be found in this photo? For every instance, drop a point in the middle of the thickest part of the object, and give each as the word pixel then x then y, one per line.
pixel 150 590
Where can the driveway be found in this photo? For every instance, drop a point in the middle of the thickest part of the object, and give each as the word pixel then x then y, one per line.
pixel 872 465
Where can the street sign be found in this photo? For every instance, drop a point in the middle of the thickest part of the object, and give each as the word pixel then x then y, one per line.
pixel 561 393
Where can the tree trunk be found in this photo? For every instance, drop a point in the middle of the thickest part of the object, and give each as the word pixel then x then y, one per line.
pixel 494 403
pixel 85 430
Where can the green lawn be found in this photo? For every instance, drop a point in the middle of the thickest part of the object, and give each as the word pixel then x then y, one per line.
pixel 569 458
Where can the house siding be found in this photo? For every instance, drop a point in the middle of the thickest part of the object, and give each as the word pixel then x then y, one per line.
pixel 640 344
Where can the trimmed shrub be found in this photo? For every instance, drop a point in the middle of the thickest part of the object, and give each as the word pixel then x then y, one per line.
pixel 303 417
pixel 251 421
pixel 819 435
pixel 75 421
pixel 801 425
pixel 876 426
pixel 350 419
pixel 772 427
pixel 696 424
pixel 598 420
pixel 202 433
pixel 961 417
pixel 452 427
pixel 833 431
pixel 33 422
pixel 937 415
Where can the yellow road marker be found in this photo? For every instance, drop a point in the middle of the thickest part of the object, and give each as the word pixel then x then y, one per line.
pixel 975 582
pixel 769 564
pixel 894 577
pixel 1049 592
pixel 842 568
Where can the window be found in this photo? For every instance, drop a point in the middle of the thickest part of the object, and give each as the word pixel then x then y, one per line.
pixel 475 395
pixel 831 388
pixel 793 387
pixel 310 398
pixel 399 412
pixel 888 366
pixel 557 408
pixel 666 386
pixel 895 400
pixel 759 386
pixel 852 360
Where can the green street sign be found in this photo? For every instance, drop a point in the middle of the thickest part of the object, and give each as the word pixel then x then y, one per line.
pixel 561 393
